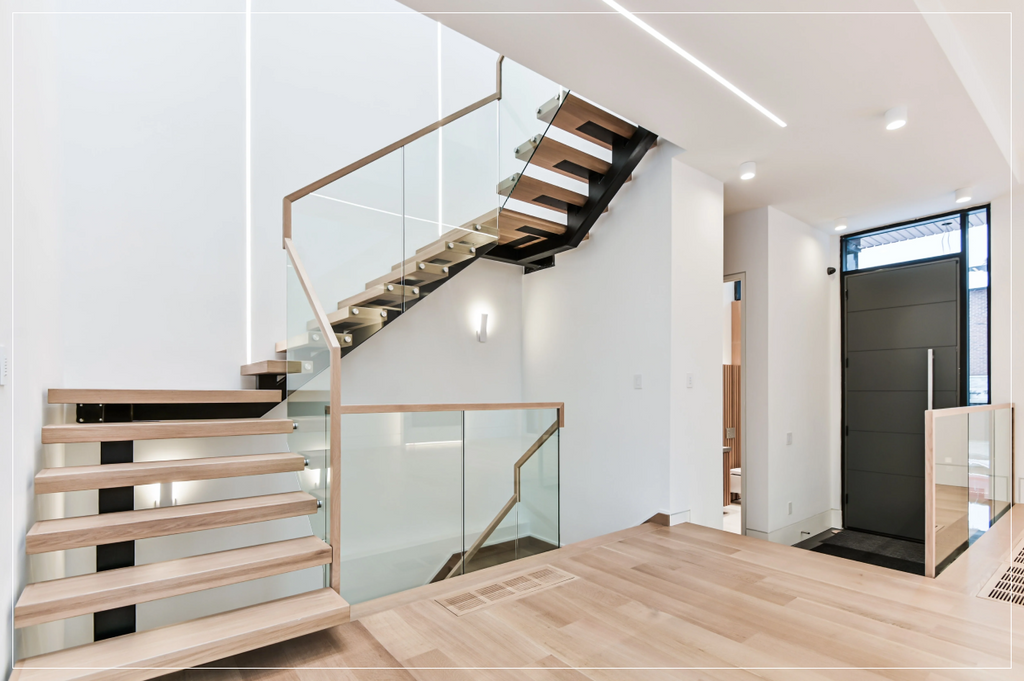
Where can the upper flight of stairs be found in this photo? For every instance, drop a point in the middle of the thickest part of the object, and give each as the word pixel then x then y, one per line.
pixel 506 234
pixel 533 241
pixel 153 653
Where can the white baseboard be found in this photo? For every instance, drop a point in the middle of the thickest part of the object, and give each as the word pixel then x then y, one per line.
pixel 800 530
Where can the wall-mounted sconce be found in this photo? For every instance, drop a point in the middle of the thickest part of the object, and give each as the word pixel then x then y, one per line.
pixel 481 333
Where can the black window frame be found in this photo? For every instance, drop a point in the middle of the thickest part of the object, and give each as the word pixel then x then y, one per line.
pixel 963 397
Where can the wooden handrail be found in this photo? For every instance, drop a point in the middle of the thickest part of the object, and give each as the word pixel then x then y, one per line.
pixel 509 505
pixel 380 153
pixel 459 406
pixel 954 411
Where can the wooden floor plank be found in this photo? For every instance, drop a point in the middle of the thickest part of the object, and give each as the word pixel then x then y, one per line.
pixel 682 596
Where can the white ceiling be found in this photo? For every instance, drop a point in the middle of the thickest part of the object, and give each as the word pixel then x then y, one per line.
pixel 830 73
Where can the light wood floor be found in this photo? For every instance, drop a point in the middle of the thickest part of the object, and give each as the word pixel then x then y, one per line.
pixel 684 596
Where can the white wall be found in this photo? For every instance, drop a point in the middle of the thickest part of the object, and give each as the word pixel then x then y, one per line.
pixel 621 306
pixel 695 402
pixel 792 345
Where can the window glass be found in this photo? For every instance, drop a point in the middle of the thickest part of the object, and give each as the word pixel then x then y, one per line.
pixel 902 244
pixel 977 307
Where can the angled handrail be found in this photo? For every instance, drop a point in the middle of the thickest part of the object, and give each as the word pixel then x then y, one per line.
pixel 335 413
pixel 510 504
pixel 380 153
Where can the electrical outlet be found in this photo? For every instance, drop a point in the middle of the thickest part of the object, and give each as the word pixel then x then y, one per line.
pixel 789 438
pixel 789 508
pixel 638 382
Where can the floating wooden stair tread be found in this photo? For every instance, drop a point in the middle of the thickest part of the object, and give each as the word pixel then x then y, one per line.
pixel 153 653
pixel 73 596
pixel 383 295
pixel 355 316
pixel 76 396
pixel 107 476
pixel 442 252
pixel 160 430
pixel 272 367
pixel 476 233
pixel 310 339
pixel 514 225
pixel 108 528
pixel 417 273
pixel 540 193
pixel 583 119
pixel 553 155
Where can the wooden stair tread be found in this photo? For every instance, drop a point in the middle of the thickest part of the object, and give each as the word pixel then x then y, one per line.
pixel 73 596
pixel 108 528
pixel 159 430
pixel 441 252
pixel 311 339
pixel 105 396
pixel 272 367
pixel 107 476
pixel 585 120
pixel 418 273
pixel 540 193
pixel 153 653
pixel 354 317
pixel 513 225
pixel 561 158
pixel 383 295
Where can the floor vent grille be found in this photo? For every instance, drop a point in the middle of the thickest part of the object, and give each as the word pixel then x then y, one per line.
pixel 1007 584
pixel 507 589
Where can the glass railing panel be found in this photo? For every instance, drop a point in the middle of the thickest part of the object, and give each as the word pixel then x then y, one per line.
pixel 1002 461
pixel 451 176
pixel 980 464
pixel 952 488
pixel 401 501
pixel 525 95
pixel 538 517
pixel 308 402
pixel 350 236
pixel 494 442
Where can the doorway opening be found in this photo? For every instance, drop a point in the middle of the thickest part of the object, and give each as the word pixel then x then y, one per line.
pixel 733 483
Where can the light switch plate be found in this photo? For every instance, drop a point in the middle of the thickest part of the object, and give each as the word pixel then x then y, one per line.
pixel 730 433
pixel 789 438
pixel 689 380
pixel 638 382
pixel 3 365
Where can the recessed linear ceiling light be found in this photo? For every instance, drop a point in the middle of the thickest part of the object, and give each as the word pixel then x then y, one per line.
pixel 895 118
pixel 964 195
pixel 693 60
pixel 840 225
pixel 748 170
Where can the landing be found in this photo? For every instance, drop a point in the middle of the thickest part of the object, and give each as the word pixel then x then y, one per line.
pixel 683 596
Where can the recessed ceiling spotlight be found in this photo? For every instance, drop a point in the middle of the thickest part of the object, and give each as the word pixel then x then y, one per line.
pixel 964 195
pixel 840 224
pixel 748 170
pixel 895 118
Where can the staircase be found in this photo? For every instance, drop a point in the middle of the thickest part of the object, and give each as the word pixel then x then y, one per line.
pixel 535 220
pixel 116 419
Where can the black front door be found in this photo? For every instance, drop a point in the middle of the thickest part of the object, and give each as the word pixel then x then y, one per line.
pixel 893 316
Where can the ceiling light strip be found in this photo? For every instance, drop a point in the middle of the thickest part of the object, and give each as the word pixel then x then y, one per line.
pixel 696 62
